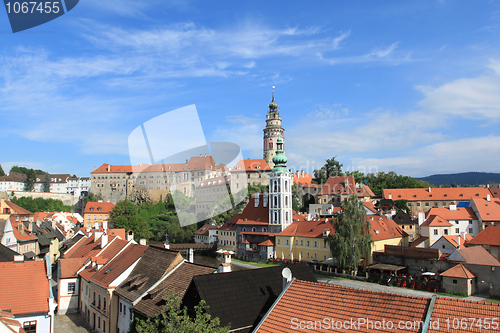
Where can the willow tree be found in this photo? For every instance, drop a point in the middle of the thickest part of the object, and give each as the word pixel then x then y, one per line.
pixel 351 241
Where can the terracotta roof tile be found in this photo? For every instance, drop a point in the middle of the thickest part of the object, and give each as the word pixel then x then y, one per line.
pixel 474 255
pixel 488 210
pixel 24 288
pixel 309 301
pixel 194 163
pixel 69 267
pixel 98 208
pixel 109 272
pixel 251 165
pixel 461 213
pixel 489 236
pixel 436 221
pixel 16 209
pixel 442 194
pixel 459 271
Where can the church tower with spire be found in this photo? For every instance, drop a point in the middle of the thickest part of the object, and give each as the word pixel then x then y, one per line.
pixel 280 192
pixel 272 132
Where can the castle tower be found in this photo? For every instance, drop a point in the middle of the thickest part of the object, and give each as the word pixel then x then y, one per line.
pixel 272 132
pixel 280 192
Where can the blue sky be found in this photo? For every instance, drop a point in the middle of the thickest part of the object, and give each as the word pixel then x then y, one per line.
pixel 411 87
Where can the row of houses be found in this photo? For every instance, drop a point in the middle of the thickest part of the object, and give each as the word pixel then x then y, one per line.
pixel 58 183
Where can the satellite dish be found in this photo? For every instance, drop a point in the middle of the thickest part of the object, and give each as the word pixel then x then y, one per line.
pixel 287 274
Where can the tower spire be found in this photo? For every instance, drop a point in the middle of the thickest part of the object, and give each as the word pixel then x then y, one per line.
pixel 272 132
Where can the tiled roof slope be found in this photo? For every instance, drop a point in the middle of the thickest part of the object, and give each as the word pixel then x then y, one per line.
pixel 252 213
pixel 450 308
pixel 489 236
pixel 16 209
pixel 93 207
pixel 337 185
pixel 114 268
pixel 443 193
pixel 69 267
pixel 86 247
pixel 250 165
pixel 154 263
pixel 241 298
pixel 488 210
pixel 194 163
pixel 314 301
pixel 474 255
pixel 403 217
pixel 176 282
pixel 24 287
pixel 436 221
pixel 204 230
pixel 459 271
pixel 461 213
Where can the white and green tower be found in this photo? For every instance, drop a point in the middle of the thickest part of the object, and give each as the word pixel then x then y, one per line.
pixel 280 192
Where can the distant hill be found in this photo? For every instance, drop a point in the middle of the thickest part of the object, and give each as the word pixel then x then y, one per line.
pixel 462 179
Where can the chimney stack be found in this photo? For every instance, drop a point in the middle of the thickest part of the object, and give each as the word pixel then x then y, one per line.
pixel 286 273
pixel 429 189
pixel 104 240
pixel 20 228
pixel 458 240
pixel 190 255
pixel 129 236
pixel 421 217
pixel 390 196
pixel 488 197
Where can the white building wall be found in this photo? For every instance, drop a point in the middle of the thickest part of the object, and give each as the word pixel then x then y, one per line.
pixel 126 316
pixel 43 322
pixel 68 303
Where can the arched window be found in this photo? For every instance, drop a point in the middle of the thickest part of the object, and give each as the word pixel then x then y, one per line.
pixel 287 216
pixel 275 201
pixel 244 229
pixel 253 229
pixel 275 186
pixel 286 200
pixel 264 229
pixel 275 217
pixel 286 185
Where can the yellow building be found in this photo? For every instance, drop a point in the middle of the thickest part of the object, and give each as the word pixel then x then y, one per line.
pixel 97 212
pixel 306 240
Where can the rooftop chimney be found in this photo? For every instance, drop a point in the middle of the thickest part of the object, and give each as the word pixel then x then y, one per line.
pixel 129 236
pixel 421 217
pixel 390 196
pixel 225 266
pixel 458 240
pixel 109 168
pixel 104 240
pixel 488 198
pixel 142 241
pixel 453 207
pixel 190 255
pixel 429 189
pixel 20 228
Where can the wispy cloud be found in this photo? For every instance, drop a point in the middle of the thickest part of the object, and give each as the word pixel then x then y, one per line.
pixel 386 55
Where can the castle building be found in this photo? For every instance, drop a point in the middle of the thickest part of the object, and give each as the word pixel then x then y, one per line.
pixel 272 132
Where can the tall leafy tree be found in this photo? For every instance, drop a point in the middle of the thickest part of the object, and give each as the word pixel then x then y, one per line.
pixel 351 240
pixel 331 168
pixel 382 180
pixel 2 173
pixel 46 184
pixel 174 318
pixel 29 183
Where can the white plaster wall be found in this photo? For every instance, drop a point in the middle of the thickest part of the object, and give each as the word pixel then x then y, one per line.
pixel 124 321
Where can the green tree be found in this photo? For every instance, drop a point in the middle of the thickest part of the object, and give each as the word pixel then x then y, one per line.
pixel 46 184
pixel 29 183
pixel 2 173
pixel 403 204
pixel 380 181
pixel 297 199
pixel 359 177
pixel 330 169
pixel 25 170
pixel 174 318
pixel 351 240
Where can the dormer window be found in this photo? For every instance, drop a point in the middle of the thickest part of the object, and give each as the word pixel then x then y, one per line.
pixel 99 208
pixel 91 209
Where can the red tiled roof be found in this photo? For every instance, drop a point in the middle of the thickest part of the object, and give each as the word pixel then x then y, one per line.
pixel 93 208
pixel 311 229
pixel 309 301
pixel 462 213
pixel 204 229
pixel 109 272
pixel 489 236
pixel 27 234
pixel 459 271
pixel 383 228
pixel 267 243
pixel 488 210
pixel 24 288
pixel 253 165
pixel 453 240
pixel 370 206
pixel 17 210
pixel 86 249
pixel 337 185
pixel 217 181
pixel 442 194
pixel 474 255
pixel 436 221
pixel 495 192
pixel 302 179
pixel 252 213
pixel 114 246
pixel 70 266
pixel 450 308
pixel 194 163
pixel 418 241
pixel 257 233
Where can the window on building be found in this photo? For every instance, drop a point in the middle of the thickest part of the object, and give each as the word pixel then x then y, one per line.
pixel 98 322
pixel 315 256
pixel 131 314
pixel 93 299
pixel 471 230
pixel 307 255
pixel 104 303
pixel 307 243
pixel 436 232
pixel 403 227
pixel 286 242
pixel 29 326
pixel 71 287
pixel 457 230
pixel 445 231
pixel 104 325
pixel 315 243
pixel 296 242
pixel 301 242
pixel 99 302
pixel 455 281
pixel 278 241
pixel 444 247
pixel 470 222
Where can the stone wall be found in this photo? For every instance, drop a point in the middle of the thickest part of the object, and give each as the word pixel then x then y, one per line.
pixel 66 198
